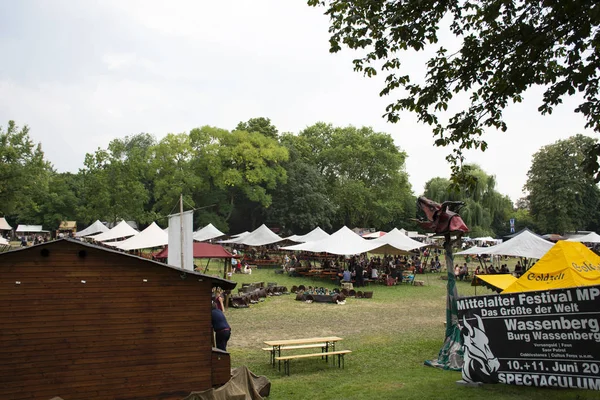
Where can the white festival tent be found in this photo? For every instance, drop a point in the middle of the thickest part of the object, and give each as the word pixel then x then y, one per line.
pixel 121 230
pixel 374 235
pixel 239 235
pixel 485 239
pixel 393 241
pixel 342 242
pixel 207 233
pixel 591 237
pixel 414 234
pixel 4 226
pixel 152 236
pixel 3 242
pixel 30 229
pixel 475 250
pixel 96 227
pixel 259 237
pixel 526 244
pixel 315 234
pixel 234 238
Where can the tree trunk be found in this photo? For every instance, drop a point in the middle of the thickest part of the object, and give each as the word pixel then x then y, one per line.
pixel 231 209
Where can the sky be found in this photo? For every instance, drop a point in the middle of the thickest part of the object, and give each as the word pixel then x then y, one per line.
pixel 82 73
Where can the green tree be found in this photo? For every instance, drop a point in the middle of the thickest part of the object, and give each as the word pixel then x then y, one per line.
pixel 365 174
pixel 302 203
pixel 24 174
pixel 522 216
pixel 174 174
pixel 117 183
pixel 562 197
pixel 61 203
pixel 241 166
pixel 439 189
pixel 260 125
pixel 503 49
pixel 486 212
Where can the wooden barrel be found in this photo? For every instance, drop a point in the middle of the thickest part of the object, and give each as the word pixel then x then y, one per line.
pixel 339 297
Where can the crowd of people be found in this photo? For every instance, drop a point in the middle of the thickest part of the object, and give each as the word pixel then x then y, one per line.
pixel 503 269
pixel 362 269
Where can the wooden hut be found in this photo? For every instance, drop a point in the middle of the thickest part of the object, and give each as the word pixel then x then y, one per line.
pixel 84 322
pixel 67 228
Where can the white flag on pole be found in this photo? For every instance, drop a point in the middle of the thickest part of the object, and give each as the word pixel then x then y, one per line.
pixel 179 243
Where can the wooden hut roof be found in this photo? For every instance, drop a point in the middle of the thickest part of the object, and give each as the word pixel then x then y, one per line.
pixel 215 281
pixel 68 225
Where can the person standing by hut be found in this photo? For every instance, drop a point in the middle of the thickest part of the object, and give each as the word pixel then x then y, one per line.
pixel 221 328
pixel 218 299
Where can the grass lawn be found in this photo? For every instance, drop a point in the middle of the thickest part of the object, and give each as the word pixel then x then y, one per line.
pixel 390 336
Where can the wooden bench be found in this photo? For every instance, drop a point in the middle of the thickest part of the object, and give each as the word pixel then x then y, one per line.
pixel 273 351
pixel 286 359
pixel 277 345
pixel 265 263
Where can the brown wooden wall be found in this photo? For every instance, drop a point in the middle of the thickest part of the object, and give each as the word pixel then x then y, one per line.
pixel 221 367
pixel 115 336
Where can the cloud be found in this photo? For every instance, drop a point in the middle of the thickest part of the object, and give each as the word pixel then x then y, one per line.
pixel 84 73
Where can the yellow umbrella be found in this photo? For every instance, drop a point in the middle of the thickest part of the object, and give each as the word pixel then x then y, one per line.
pixel 566 264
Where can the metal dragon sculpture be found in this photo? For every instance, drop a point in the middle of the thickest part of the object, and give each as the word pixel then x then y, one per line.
pixel 442 219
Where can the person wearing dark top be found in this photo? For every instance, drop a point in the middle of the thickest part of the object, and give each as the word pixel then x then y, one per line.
pixel 221 328
pixel 359 278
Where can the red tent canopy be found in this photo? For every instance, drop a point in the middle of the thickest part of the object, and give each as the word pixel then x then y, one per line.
pixel 201 250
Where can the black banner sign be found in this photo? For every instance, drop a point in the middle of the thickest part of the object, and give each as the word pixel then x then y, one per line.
pixel 540 338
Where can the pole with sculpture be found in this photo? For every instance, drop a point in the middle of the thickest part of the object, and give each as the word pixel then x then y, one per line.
pixel 444 220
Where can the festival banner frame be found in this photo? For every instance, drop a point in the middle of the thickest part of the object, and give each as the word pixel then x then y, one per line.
pixel 535 338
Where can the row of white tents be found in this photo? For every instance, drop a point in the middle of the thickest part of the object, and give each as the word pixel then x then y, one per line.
pixel 526 244
pixel 342 242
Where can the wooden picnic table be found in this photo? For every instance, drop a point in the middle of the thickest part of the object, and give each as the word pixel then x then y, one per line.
pixel 290 344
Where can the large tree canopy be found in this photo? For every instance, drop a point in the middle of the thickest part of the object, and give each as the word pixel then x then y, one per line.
pixel 261 125
pixel 503 48
pixel 303 202
pixel 365 174
pixel 24 173
pixel 116 182
pixel 173 174
pixel 486 211
pixel 561 196
pixel 241 165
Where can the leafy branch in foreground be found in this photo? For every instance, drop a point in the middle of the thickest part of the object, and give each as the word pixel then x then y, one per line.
pixel 506 47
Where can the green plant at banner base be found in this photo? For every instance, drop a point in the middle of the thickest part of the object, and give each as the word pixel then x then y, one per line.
pixel 451 354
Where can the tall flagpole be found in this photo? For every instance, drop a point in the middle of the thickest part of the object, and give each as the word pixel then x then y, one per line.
pixel 181 228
